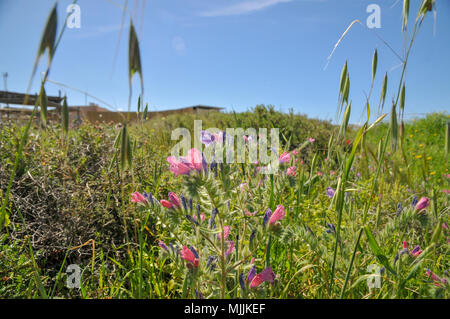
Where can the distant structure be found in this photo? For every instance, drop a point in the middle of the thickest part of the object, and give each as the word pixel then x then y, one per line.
pixel 95 114
pixel 8 98
pixel 92 113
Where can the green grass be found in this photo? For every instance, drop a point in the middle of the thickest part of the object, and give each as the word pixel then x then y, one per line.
pixel 69 193
pixel 66 199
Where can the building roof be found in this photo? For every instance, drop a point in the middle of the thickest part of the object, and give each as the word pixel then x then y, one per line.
pixel 15 98
pixel 206 107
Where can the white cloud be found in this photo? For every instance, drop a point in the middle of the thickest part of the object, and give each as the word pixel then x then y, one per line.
pixel 179 45
pixel 242 7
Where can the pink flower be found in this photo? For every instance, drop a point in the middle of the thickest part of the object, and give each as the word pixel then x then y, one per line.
pixel 284 158
pixel 182 166
pixel 195 159
pixel 230 248
pixel 435 278
pixel 218 137
pixel 189 256
pixel 166 203
pixel 174 199
pixel 226 232
pixel 243 186
pixel 291 171
pixel 266 275
pixel 178 167
pixel 416 251
pixel 250 214
pixel 277 215
pixel 202 217
pixel 294 152
pixel 312 140
pixel 319 173
pixel 422 204
pixel 137 197
pixel 405 245
pixel 332 173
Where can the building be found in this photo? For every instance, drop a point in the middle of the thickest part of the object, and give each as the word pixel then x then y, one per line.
pixel 78 114
pixel 96 114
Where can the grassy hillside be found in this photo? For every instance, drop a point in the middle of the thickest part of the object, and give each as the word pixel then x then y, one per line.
pixel 71 204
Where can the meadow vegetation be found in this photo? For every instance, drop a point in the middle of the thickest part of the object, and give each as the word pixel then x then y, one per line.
pixel 349 206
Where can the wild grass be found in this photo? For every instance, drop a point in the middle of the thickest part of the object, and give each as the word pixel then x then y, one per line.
pixel 344 199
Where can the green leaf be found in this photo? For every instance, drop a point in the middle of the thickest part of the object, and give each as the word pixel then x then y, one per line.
pixel 49 35
pixel 436 233
pixel 144 116
pixel 377 251
pixel 344 125
pixel 394 128
pixel 65 116
pixel 405 14
pixel 343 78
pixel 134 55
pixel 374 64
pixel 346 89
pixel 383 90
pixel 43 103
pixel 124 147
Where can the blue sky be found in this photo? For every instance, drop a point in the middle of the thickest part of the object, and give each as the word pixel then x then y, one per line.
pixel 231 53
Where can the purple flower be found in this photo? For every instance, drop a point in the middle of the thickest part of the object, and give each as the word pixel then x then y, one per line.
pixel 331 229
pixel 162 245
pixel 192 220
pixel 209 263
pixel 207 138
pixel 194 251
pixel 213 217
pixel 396 258
pixel 414 201
pixel 252 236
pixel 242 281
pixel 183 201
pixel 198 294
pixel 198 212
pixel 149 197
pixel 310 230
pixel 399 209
pixel 330 192
pixel 416 251
pixel 190 204
pixel 267 216
pixel 251 274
